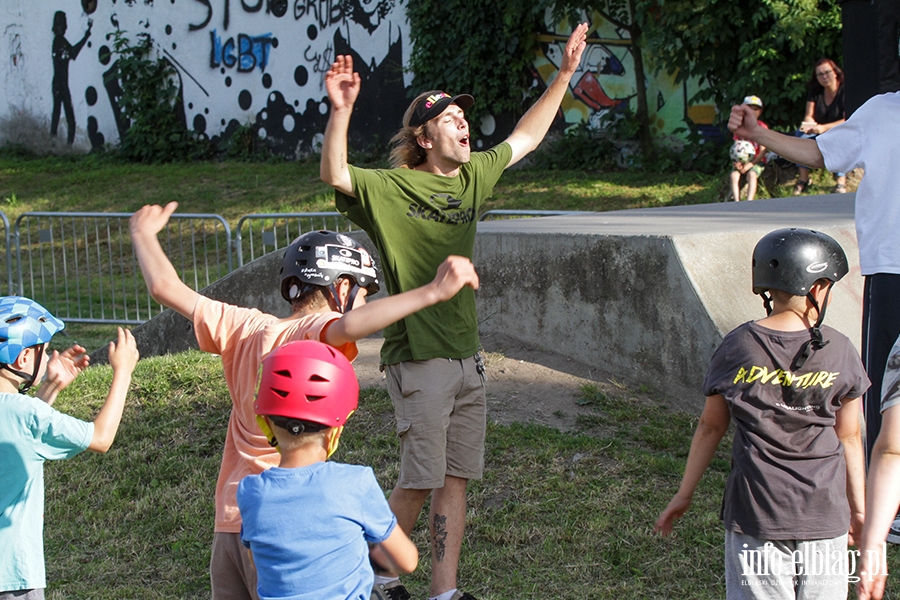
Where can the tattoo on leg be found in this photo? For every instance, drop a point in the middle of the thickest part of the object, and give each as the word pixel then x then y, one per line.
pixel 439 539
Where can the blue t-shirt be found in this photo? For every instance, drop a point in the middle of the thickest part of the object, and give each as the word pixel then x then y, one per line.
pixel 31 431
pixel 309 529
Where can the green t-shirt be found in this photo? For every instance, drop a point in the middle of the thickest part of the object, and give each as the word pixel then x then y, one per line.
pixel 416 220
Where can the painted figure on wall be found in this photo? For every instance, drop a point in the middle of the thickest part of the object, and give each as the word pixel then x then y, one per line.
pixel 63 52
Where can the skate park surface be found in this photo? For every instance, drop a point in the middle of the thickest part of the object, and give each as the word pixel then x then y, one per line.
pixel 642 297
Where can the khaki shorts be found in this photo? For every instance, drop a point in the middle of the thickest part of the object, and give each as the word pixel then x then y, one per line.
pixel 231 569
pixel 441 416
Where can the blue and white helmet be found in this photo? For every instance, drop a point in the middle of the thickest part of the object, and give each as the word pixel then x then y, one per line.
pixel 24 323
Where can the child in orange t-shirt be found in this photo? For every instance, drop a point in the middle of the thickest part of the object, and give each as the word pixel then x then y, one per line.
pixel 243 336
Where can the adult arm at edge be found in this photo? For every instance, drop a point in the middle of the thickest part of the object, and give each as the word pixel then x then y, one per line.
pixel 799 150
pixel 882 499
pixel 533 125
pixel 710 430
pixel 163 282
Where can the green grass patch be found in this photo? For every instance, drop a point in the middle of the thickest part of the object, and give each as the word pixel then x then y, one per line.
pixel 565 516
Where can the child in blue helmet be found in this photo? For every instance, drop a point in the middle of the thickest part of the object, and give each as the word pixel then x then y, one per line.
pixel 32 431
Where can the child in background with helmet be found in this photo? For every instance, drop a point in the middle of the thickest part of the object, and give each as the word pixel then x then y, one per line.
pixel 792 387
pixel 753 166
pixel 31 431
pixel 308 522
pixel 323 276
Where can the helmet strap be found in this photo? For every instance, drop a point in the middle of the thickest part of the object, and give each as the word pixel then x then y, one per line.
pixel 267 431
pixel 333 436
pixel 29 378
pixel 815 342
pixel 767 301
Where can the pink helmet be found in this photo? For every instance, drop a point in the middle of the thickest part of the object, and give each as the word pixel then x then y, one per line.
pixel 309 381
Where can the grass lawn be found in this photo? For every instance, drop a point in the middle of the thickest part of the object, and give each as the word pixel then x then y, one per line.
pixel 233 189
pixel 563 516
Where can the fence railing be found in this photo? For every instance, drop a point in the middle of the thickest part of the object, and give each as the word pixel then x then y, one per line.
pixel 256 235
pixel 83 268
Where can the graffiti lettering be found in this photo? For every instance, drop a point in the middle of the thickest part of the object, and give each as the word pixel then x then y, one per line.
pixel 273 7
pixel 320 62
pixel 325 12
pixel 252 51
pixel 209 14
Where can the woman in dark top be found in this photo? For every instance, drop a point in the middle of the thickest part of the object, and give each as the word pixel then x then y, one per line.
pixel 824 110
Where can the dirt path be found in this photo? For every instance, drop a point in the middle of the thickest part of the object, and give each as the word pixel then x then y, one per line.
pixel 525 385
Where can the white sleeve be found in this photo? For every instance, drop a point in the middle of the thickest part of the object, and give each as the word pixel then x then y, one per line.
pixel 841 146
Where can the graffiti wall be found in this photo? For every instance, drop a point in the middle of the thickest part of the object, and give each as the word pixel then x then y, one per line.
pixel 262 63
pixel 605 83
pixel 239 62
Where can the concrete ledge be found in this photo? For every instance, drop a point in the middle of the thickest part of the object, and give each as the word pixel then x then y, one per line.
pixel 645 296
pixel 641 296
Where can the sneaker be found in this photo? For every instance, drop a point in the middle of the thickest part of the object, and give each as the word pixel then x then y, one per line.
pixel 893 536
pixel 389 591
pixel 458 596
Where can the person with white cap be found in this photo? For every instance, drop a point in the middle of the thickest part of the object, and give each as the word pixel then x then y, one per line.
pixel 747 157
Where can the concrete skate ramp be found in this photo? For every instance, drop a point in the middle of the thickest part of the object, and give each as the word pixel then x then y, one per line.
pixel 645 296
pixel 642 297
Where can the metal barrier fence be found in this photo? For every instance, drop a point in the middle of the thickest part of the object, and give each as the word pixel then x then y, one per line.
pixel 83 268
pixel 9 288
pixel 256 235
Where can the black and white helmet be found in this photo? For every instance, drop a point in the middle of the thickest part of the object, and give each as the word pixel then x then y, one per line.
pixel 319 258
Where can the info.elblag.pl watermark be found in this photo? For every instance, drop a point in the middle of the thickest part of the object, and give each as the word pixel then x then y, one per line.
pixel 814 561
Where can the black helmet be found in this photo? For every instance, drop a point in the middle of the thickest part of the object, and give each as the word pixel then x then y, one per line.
pixel 319 258
pixel 794 259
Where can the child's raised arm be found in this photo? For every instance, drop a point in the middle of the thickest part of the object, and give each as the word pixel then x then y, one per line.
pixel 62 369
pixel 710 430
pixel 453 274
pixel 123 356
pixel 163 282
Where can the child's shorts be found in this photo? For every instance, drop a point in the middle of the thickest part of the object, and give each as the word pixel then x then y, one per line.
pixel 757 168
pixel 441 414
pixel 758 569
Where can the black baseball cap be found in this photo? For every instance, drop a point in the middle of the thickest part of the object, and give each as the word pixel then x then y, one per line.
pixel 435 103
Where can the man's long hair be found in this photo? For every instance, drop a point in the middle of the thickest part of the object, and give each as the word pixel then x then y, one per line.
pixel 405 149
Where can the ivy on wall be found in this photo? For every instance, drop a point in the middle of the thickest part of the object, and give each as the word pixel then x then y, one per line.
pixel 147 103
pixel 482 47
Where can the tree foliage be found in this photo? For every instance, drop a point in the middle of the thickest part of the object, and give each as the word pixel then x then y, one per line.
pixel 482 47
pixel 766 47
